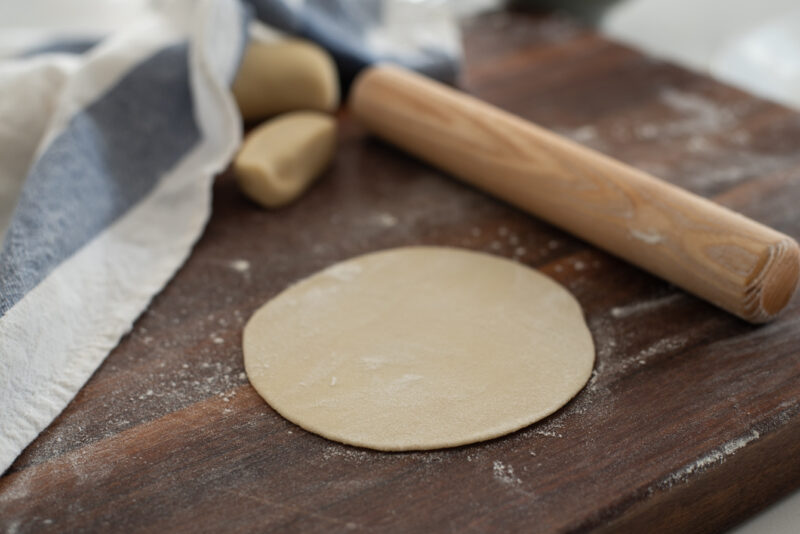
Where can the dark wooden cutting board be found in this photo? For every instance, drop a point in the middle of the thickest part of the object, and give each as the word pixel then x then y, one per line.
pixel 691 421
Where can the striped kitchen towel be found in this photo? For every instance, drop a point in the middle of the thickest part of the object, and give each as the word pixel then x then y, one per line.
pixel 107 156
pixel 117 149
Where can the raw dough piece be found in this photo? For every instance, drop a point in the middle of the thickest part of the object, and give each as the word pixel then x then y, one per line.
pixel 284 76
pixel 279 159
pixel 419 348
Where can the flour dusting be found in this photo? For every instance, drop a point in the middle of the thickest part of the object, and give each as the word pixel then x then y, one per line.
pixel 700 116
pixel 717 456
pixel 663 345
pixel 347 453
pixel 387 220
pixel 666 345
pixel 240 266
pixel 737 167
pixel 584 134
pixel 548 433
pixel 504 473
pixel 19 486
pixel 587 134
pixel 638 308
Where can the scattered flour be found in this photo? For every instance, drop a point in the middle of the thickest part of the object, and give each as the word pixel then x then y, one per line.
pixel 18 486
pixel 240 266
pixel 663 345
pixel 504 473
pixel 736 167
pixel 717 456
pixel 346 453
pixel 586 135
pixel 698 144
pixel 387 220
pixel 700 116
pixel 583 134
pixel 638 308
pixel 712 138
pixel 548 434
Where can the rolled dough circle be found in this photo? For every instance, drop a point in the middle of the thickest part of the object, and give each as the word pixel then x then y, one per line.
pixel 419 348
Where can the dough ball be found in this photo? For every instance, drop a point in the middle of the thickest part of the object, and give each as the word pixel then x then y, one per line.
pixel 419 348
pixel 280 159
pixel 287 75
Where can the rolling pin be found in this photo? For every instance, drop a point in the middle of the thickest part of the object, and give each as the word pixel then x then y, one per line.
pixel 733 262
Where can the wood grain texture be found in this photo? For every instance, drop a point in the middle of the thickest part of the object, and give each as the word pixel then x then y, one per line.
pixel 731 261
pixel 691 421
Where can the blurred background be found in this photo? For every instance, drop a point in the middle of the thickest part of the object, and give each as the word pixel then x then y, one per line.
pixel 754 45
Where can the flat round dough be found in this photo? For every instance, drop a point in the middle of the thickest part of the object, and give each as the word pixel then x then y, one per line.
pixel 419 348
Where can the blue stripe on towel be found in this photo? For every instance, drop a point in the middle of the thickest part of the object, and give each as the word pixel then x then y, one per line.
pixel 61 46
pixel 106 160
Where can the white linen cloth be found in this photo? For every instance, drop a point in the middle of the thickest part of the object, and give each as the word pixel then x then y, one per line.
pixel 108 158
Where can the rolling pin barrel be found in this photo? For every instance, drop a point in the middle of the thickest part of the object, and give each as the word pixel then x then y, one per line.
pixel 732 261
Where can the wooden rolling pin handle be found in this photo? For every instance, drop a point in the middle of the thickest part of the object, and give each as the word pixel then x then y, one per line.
pixel 734 262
